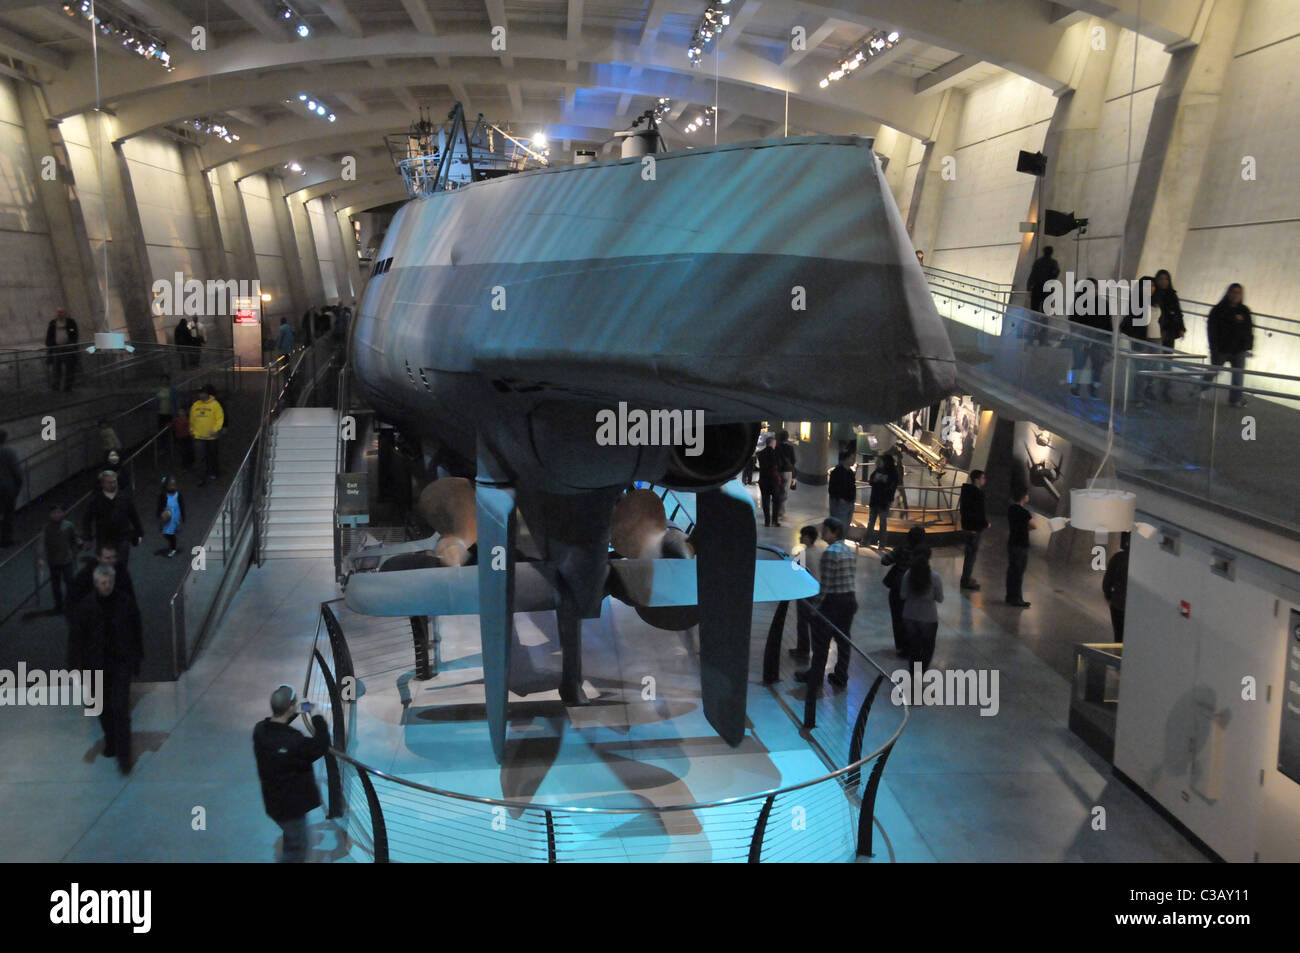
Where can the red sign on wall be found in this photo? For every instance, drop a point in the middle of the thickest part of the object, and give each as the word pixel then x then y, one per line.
pixel 1185 609
pixel 246 316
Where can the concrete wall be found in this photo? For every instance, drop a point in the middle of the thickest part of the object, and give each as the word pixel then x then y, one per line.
pixel 166 216
pixel 29 279
pixel 85 152
pixel 983 206
pixel 322 226
pixel 266 245
pixel 1185 734
pixel 1111 175
pixel 1242 230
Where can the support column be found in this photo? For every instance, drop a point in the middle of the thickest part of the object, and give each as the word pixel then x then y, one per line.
pixel 1068 145
pixel 62 208
pixel 349 274
pixel 928 192
pixel 896 146
pixel 129 256
pixel 239 240
pixel 1178 139
pixel 206 223
pixel 313 286
pixel 288 245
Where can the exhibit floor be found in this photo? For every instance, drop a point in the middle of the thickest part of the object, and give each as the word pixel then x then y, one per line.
pixel 959 786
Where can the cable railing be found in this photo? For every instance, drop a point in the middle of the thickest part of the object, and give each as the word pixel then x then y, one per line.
pixel 390 818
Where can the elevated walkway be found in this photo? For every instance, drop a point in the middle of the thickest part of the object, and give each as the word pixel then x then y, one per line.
pixel 1194 443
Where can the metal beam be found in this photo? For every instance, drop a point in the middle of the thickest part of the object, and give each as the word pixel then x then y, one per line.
pixel 24 49
pixel 252 13
pixel 161 14
pixel 418 11
pixel 496 11
pixel 516 97
pixel 341 17
pixel 353 102
pixel 941 77
pixel 654 19
pixel 573 31
pixel 813 40
pixel 739 20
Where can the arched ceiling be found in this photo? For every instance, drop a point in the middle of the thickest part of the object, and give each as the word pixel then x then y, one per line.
pixel 580 69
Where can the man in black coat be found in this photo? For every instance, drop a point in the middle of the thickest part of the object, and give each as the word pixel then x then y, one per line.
pixel 107 636
pixel 61 350
pixel 1114 586
pixel 84 581
pixel 111 518
pixel 284 766
pixel 11 481
pixel 842 488
pixel 973 523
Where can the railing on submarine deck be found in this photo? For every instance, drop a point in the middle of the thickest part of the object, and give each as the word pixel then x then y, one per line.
pixel 405 820
pixel 1173 425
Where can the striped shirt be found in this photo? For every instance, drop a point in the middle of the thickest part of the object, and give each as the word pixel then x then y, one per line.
pixel 839 566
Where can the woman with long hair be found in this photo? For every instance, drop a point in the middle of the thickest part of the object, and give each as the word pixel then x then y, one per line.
pixel 1171 324
pixel 921 591
pixel 1232 338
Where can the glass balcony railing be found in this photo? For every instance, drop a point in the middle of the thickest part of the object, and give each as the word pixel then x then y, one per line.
pixel 1175 424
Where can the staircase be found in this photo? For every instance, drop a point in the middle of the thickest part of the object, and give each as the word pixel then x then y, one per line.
pixel 299 517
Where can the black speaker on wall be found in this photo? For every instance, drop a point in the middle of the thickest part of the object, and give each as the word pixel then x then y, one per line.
pixel 1035 163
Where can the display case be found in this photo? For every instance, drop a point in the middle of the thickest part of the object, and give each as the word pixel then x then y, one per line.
pixel 1094 699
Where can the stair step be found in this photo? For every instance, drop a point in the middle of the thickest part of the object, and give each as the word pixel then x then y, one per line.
pixel 319 515
pixel 312 479
pixel 299 504
pixel 304 453
pixel 290 467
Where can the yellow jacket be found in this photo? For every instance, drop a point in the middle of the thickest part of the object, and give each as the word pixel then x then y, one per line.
pixel 206 419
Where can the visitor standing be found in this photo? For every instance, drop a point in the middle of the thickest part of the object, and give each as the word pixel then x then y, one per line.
pixel 973 523
pixel 899 561
pixel 785 460
pixel 111 518
pixel 207 419
pixel 61 350
pixel 1231 331
pixel 1114 586
pixel 843 488
pixel 808 554
pixel 11 482
pixel 884 484
pixel 284 766
pixel 769 479
pixel 1172 326
pixel 60 544
pixel 171 514
pixel 921 591
pixel 1019 523
pixel 839 567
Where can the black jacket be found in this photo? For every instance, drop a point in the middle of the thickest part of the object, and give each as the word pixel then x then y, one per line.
pixel 769 466
pixel 1043 271
pixel 11 473
pixel 51 332
pixel 1171 315
pixel 105 631
pixel 883 486
pixel 112 520
pixel 1230 329
pixel 971 504
pixel 284 759
pixel 785 456
pixel 843 485
pixel 184 337
pixel 1114 585
pixel 83 583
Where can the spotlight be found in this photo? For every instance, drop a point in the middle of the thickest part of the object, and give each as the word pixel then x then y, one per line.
pixel 302 97
pixel 304 30
pixel 539 140
pixel 331 117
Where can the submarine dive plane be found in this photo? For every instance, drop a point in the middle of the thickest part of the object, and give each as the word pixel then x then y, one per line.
pixel 505 319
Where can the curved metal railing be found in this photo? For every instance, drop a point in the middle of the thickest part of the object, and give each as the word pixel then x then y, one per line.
pixel 407 819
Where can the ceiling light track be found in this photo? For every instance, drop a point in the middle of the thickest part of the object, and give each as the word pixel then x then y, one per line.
pixel 877 42
pixel 120 26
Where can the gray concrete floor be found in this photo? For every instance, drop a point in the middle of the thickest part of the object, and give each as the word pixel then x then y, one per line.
pixel 958 787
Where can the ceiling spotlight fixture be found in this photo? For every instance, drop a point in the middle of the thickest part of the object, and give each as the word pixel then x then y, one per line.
pixel 118 26
pixel 314 106
pixel 875 43
pixel 662 108
pixel 711 26
pixel 211 127
pixel 286 12
pixel 702 121
pixel 539 140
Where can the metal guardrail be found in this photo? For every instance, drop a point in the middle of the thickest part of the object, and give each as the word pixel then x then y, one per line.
pixel 404 819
